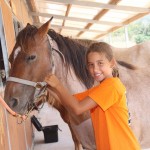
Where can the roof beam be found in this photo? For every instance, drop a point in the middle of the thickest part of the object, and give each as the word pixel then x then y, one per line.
pixel 32 7
pixel 71 28
pixel 99 15
pixel 66 15
pixel 124 23
pixel 75 19
pixel 101 5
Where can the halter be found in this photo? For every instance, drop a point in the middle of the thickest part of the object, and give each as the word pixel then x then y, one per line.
pixel 40 87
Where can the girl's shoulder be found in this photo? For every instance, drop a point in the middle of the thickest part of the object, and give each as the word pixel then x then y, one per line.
pixel 113 83
pixel 118 85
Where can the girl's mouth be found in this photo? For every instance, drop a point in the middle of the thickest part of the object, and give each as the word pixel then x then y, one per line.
pixel 97 74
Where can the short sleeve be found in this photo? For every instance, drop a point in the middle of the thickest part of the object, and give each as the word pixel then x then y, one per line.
pixel 81 96
pixel 104 96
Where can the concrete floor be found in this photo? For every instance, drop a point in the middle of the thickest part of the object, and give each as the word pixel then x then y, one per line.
pixel 49 116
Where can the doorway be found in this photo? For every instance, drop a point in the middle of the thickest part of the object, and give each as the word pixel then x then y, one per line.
pixel 4 65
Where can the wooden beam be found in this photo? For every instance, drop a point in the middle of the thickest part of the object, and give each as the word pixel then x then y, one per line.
pixel 124 23
pixel 100 5
pixel 69 28
pixel 32 7
pixel 75 19
pixel 66 15
pixel 99 15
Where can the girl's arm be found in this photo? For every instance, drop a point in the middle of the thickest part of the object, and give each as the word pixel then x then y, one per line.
pixel 67 99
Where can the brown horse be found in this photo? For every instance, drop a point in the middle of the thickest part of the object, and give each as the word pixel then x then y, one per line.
pixel 35 54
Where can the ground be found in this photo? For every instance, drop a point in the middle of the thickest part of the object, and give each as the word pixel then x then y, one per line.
pixel 49 116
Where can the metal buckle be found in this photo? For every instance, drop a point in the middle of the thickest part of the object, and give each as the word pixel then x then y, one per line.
pixel 38 85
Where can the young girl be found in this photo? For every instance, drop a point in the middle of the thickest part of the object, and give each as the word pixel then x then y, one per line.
pixel 106 101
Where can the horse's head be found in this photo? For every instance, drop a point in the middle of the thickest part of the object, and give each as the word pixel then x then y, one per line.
pixel 30 60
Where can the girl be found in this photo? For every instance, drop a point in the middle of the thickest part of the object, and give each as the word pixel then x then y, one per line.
pixel 106 101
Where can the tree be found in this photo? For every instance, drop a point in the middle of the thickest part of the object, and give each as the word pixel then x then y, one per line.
pixel 139 31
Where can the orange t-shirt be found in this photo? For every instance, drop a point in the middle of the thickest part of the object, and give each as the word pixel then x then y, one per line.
pixel 110 117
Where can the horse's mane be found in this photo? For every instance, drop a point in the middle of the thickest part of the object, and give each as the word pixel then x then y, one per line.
pixel 23 36
pixel 28 32
pixel 73 51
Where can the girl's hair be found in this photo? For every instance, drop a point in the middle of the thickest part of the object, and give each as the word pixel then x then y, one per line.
pixel 102 47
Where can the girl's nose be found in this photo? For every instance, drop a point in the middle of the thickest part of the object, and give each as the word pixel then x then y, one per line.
pixel 95 68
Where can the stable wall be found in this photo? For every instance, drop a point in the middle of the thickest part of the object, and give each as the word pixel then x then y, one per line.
pixel 13 136
pixel 17 9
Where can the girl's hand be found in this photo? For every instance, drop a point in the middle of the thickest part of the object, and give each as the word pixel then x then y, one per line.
pixel 52 80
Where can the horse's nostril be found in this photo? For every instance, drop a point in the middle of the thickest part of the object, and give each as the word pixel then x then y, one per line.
pixel 13 102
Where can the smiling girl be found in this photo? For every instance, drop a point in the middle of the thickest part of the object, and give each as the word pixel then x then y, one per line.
pixel 106 101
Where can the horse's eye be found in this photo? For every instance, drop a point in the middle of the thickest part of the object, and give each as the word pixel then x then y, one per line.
pixel 31 58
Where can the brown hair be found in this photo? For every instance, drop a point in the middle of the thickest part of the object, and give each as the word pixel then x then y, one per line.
pixel 102 47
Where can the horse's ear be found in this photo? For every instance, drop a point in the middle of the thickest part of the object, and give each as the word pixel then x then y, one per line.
pixel 42 31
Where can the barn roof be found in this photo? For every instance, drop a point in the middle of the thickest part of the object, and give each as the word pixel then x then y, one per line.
pixel 87 19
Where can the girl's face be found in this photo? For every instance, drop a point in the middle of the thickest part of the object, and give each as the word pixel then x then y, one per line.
pixel 99 66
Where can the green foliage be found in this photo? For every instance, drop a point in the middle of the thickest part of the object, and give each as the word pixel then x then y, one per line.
pixel 141 38
pixel 138 31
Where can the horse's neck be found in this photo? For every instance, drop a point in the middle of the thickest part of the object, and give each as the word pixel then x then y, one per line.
pixel 67 77
pixel 71 82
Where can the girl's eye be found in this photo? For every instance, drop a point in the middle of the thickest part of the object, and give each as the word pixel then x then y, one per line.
pixel 30 58
pixel 90 65
pixel 100 63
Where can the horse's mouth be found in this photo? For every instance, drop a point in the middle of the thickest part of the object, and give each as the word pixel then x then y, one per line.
pixel 23 110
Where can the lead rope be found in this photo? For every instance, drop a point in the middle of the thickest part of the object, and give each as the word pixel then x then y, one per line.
pixel 22 117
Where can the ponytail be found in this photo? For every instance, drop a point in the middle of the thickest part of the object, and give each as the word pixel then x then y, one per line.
pixel 115 72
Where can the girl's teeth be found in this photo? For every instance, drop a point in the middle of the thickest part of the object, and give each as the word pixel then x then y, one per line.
pixel 97 74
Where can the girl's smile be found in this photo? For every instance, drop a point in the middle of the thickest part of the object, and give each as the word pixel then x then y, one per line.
pixel 99 66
